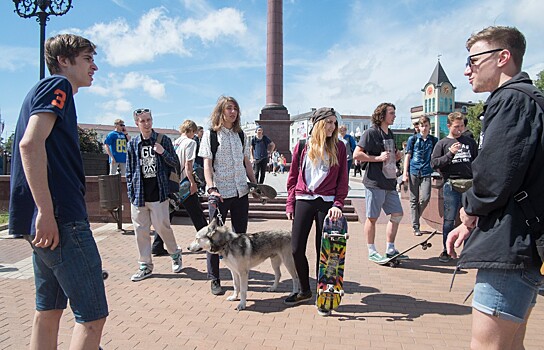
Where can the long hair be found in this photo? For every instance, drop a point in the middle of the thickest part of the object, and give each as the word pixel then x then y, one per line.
pixel 217 117
pixel 379 113
pixel 319 144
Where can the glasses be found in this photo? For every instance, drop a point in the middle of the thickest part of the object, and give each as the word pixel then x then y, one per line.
pixel 142 111
pixel 121 124
pixel 469 58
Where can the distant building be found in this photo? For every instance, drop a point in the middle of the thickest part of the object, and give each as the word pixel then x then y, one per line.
pixel 301 125
pixel 103 130
pixel 439 101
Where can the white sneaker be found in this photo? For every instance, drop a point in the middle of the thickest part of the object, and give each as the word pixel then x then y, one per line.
pixel 177 265
pixel 143 273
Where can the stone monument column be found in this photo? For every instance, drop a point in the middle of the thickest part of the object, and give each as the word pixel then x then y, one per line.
pixel 274 117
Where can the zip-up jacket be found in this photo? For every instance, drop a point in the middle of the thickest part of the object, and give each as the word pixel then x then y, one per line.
pixel 510 160
pixel 335 184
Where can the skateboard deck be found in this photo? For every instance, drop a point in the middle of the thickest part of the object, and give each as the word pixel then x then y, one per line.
pixel 262 191
pixel 394 261
pixel 332 256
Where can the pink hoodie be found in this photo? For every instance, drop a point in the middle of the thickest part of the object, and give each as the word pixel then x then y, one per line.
pixel 335 184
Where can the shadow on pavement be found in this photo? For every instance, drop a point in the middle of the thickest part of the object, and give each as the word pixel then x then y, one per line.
pixel 397 307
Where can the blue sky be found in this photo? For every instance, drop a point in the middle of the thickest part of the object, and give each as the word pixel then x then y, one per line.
pixel 178 56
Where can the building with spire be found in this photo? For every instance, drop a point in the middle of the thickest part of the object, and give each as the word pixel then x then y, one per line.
pixel 438 100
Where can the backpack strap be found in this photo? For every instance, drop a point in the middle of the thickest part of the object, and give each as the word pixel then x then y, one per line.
pixel 531 91
pixel 301 146
pixel 159 138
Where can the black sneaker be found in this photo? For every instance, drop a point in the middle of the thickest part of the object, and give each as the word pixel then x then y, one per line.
pixel 298 298
pixel 216 287
pixel 444 257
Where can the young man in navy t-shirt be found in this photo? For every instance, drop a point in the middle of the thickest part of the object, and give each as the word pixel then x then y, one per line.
pixel 47 203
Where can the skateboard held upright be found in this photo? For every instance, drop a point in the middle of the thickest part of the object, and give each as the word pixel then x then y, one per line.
pixel 262 192
pixel 330 279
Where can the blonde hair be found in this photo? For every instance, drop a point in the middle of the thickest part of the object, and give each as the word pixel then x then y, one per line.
pixel 217 116
pixel 187 125
pixel 319 144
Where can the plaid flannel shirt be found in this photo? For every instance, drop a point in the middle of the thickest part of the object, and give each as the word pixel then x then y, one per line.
pixel 166 161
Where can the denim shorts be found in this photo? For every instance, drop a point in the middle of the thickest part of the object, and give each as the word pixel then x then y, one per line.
pixel 72 271
pixel 507 294
pixel 376 199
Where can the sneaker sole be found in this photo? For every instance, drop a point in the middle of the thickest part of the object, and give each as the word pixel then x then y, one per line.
pixel 291 303
pixel 138 279
pixel 177 270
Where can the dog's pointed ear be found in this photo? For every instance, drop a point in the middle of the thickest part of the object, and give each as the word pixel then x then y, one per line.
pixel 213 225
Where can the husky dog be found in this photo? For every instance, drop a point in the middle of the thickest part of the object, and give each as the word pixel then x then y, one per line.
pixel 243 251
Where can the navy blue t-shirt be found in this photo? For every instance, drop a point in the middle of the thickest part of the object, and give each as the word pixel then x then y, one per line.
pixel 64 165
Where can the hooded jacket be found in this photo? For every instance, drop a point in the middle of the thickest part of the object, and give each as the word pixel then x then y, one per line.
pixel 509 161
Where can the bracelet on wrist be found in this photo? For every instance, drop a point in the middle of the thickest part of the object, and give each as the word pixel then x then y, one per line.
pixel 212 189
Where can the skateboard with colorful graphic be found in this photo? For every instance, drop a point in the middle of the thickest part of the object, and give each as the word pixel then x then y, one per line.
pixel 394 261
pixel 332 256
pixel 262 192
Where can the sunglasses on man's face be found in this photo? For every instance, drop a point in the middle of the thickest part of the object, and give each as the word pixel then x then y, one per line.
pixel 121 124
pixel 470 62
pixel 142 111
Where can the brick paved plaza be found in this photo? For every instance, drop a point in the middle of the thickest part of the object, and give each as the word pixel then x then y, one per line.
pixel 408 307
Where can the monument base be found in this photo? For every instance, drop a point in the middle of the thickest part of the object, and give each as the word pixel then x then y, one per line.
pixel 276 122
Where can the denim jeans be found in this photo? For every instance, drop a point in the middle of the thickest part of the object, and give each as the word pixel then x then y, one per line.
pixel 452 205
pixel 72 271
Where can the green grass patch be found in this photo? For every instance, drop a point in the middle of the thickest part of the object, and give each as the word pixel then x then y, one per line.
pixel 4 217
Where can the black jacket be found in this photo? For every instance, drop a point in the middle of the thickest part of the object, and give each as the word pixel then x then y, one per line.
pixel 510 159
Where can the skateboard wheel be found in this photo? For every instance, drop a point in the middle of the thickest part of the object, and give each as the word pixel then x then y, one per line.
pixel 326 235
pixel 347 235
pixel 341 292
pixel 319 291
pixel 105 274
pixel 429 245
pixel 424 247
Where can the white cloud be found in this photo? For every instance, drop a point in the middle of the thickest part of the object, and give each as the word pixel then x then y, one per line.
pixel 117 85
pixel 384 62
pixel 157 34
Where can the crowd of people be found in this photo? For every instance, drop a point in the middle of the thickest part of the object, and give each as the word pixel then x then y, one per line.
pixel 495 186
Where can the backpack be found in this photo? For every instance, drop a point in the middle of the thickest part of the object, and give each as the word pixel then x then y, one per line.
pixel 174 176
pixel 214 143
pixel 523 197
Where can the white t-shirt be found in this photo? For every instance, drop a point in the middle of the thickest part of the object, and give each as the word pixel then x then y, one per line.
pixel 186 150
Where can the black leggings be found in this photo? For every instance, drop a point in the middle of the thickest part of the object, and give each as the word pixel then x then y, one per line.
pixel 306 213
pixel 239 216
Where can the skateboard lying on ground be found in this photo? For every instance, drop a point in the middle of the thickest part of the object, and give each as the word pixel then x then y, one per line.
pixel 262 192
pixel 394 261
pixel 330 279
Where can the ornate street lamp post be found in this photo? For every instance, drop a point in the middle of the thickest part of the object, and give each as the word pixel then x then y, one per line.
pixel 42 9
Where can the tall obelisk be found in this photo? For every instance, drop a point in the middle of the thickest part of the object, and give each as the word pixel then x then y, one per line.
pixel 274 117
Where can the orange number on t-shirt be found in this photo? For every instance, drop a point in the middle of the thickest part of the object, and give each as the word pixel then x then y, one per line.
pixel 59 99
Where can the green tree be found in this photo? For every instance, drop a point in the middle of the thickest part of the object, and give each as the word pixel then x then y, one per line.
pixel 539 83
pixel 473 116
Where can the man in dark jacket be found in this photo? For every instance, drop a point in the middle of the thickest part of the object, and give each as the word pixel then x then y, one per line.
pixel 495 219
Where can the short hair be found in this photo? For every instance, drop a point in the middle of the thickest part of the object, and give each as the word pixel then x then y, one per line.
pixel 416 123
pixel 342 127
pixel 118 121
pixel 186 126
pixel 509 38
pixel 379 113
pixel 65 45
pixel 423 119
pixel 453 116
pixel 198 128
